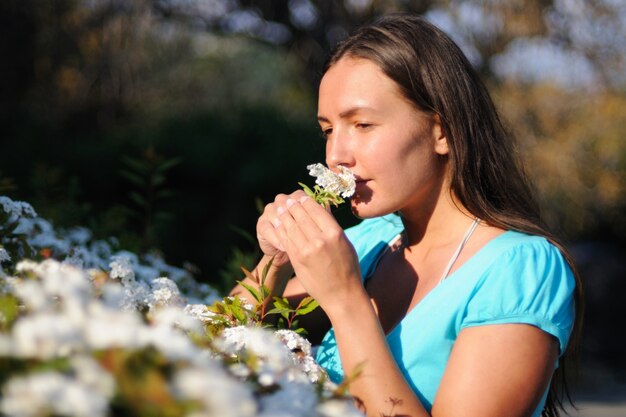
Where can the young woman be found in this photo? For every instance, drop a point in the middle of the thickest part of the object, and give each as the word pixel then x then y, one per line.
pixel 450 295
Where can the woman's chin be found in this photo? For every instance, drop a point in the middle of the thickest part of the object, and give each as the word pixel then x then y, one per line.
pixel 364 210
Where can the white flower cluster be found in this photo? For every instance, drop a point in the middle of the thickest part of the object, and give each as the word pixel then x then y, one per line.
pixel 4 255
pixel 85 394
pixel 342 183
pixel 77 247
pixel 282 365
pixel 16 209
pixel 68 332
pixel 63 317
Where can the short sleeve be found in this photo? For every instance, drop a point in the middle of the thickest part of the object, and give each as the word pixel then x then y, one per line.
pixel 371 237
pixel 530 283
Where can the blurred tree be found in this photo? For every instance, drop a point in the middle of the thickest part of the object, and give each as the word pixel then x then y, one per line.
pixel 576 153
pixel 229 86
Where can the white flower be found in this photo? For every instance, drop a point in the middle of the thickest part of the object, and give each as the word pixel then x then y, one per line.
pixel 271 352
pixel 51 393
pixel 200 312
pixel 301 354
pixel 294 341
pixel 46 336
pixel 16 208
pixel 343 183
pixel 292 399
pixel 175 317
pixel 165 292
pixel 122 268
pixel 25 266
pixel 4 255
pixel 93 376
pixel 41 234
pixel 218 393
pixel 32 295
pixel 6 345
pixel 172 344
pixel 106 328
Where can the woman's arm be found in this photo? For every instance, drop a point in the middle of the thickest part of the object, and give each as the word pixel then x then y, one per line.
pixel 494 370
pixel 497 370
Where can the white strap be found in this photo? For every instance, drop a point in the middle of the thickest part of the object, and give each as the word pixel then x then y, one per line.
pixel 459 249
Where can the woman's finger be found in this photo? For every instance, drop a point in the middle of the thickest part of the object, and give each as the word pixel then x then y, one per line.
pixel 321 216
pixel 307 225
pixel 268 234
pixel 289 231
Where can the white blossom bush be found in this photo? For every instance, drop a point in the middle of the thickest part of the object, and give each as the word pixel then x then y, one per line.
pixel 92 332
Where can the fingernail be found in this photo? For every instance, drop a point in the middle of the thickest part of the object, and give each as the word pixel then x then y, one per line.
pixel 280 210
pixel 276 223
pixel 303 199
pixel 290 202
pixel 280 247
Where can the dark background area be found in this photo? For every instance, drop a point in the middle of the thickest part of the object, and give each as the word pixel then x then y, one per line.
pixel 167 124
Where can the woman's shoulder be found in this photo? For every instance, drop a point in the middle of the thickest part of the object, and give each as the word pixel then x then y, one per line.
pixel 517 247
pixel 528 280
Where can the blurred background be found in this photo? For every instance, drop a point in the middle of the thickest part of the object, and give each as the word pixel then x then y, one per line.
pixel 169 123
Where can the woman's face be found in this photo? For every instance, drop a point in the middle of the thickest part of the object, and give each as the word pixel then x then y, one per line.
pixel 394 149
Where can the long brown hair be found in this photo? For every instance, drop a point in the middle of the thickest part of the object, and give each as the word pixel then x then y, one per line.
pixel 487 175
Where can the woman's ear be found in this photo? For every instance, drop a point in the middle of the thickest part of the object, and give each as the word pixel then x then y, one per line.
pixel 441 141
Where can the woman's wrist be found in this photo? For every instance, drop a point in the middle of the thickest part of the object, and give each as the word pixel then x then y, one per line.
pixel 354 307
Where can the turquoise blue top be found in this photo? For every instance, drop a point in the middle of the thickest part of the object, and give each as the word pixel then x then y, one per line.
pixel 515 278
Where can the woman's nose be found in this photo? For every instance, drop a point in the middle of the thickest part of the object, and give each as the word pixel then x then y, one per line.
pixel 339 151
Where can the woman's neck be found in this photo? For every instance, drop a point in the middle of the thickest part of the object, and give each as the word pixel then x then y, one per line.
pixel 439 225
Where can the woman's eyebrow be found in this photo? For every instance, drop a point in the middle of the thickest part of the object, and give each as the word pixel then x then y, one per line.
pixel 347 113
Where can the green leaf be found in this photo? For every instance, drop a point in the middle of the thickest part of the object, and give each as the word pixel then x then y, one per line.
pixel 157 179
pixel 136 164
pixel 307 190
pixel 279 310
pixel 307 305
pixel 265 291
pixel 266 270
pixel 132 177
pixel 169 164
pixel 238 313
pixel 137 198
pixel 282 307
pixel 218 308
pixel 252 290
pixel 9 308
pixel 282 302
pixel 163 216
pixel 250 275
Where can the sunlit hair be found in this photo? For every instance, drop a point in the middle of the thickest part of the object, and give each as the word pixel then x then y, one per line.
pixel 486 173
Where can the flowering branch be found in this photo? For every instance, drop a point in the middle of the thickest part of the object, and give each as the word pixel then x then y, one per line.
pixel 330 187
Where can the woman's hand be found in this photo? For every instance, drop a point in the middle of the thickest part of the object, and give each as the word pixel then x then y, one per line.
pixel 266 232
pixel 324 261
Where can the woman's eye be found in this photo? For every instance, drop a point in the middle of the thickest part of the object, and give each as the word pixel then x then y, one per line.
pixel 326 132
pixel 363 125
